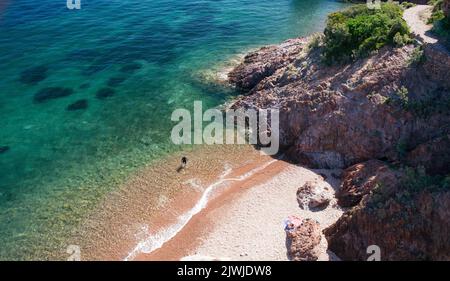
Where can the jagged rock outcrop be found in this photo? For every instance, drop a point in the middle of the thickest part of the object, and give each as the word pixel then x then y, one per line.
pixel 303 241
pixel 264 62
pixel 333 117
pixel 313 195
pixel 406 224
pixel 361 179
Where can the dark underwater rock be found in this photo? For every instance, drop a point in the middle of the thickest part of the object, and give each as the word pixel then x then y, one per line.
pixel 116 81
pixel 51 93
pixel 130 68
pixel 78 105
pixel 104 93
pixel 4 149
pixel 84 86
pixel 34 75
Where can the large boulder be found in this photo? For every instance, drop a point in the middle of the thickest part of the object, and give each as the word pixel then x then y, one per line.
pixel 313 195
pixel 303 240
pixel 360 179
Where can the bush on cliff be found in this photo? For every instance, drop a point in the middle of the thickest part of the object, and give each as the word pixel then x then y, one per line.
pixel 441 24
pixel 358 31
pixel 437 13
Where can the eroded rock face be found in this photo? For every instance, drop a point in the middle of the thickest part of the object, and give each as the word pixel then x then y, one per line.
pixel 334 117
pixel 406 224
pixel 313 195
pixel 303 241
pixel 360 179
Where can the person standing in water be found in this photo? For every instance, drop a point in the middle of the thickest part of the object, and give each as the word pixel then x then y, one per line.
pixel 183 164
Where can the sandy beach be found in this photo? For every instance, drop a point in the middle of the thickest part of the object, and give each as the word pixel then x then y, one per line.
pixel 244 221
pixel 229 203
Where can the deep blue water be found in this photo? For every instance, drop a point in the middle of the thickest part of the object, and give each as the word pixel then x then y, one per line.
pixel 124 65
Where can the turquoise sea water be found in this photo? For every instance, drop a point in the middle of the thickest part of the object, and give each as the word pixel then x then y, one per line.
pixel 86 95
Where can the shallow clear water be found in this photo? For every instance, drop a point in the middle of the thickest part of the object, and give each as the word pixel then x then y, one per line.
pixel 133 62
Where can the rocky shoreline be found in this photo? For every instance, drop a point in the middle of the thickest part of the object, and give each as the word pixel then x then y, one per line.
pixel 355 117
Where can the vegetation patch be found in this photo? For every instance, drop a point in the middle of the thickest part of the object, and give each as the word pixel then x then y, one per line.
pixel 358 31
pixel 416 179
pixel 417 56
pixel 441 24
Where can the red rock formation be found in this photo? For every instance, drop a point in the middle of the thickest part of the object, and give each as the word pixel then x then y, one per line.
pixel 303 241
pixel 338 116
pixel 405 224
pixel 264 62
pixel 343 115
pixel 360 179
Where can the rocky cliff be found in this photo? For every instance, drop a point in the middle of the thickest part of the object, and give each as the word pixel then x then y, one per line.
pixel 333 117
pixel 390 109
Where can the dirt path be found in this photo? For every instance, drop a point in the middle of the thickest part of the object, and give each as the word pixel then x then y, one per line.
pixel 416 18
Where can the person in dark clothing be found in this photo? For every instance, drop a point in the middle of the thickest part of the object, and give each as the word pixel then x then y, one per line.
pixel 184 161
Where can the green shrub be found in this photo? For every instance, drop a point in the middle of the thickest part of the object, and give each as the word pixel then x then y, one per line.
pixel 442 29
pixel 358 31
pixel 431 104
pixel 315 41
pixel 407 5
pixel 417 56
pixel 417 180
pixel 401 40
pixel 401 97
pixel 402 149
pixel 441 24
pixel 437 13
